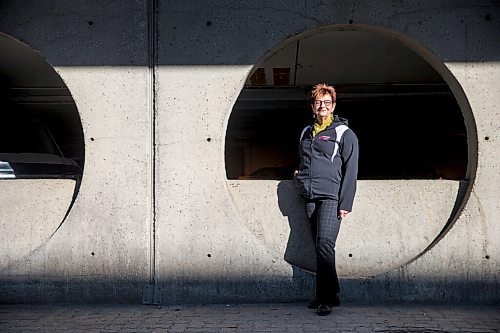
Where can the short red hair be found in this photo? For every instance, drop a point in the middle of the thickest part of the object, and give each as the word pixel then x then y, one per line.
pixel 323 89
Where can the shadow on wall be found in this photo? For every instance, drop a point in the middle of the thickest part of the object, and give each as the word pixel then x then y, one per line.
pixel 392 288
pixel 252 289
pixel 99 33
pixel 300 250
pixel 41 289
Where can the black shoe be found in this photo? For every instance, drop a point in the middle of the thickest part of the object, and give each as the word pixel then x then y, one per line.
pixel 324 310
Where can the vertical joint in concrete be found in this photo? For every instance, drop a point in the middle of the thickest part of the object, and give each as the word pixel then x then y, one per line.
pixel 152 292
pixel 152 45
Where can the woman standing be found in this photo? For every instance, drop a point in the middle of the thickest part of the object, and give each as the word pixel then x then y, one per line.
pixel 327 180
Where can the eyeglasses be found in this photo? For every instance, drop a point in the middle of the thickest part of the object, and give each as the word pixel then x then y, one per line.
pixel 327 103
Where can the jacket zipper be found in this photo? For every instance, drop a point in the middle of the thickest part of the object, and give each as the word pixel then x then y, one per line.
pixel 310 166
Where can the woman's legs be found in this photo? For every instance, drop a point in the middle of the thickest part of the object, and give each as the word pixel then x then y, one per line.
pixel 325 224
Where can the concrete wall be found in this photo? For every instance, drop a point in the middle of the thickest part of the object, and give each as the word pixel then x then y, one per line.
pixel 221 241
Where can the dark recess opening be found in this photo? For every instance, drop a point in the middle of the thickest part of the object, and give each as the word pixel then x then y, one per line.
pixel 404 131
pixel 408 122
pixel 34 100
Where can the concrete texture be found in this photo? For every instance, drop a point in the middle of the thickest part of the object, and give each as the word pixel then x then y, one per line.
pixel 371 241
pixel 30 214
pixel 105 238
pixel 208 244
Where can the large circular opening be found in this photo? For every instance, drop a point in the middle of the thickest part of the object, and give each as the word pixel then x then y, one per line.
pixel 407 119
pixel 417 139
pixel 39 115
pixel 41 150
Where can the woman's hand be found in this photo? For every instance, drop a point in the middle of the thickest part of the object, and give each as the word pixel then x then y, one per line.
pixel 343 213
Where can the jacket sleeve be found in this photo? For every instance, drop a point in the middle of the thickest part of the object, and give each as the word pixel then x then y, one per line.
pixel 349 154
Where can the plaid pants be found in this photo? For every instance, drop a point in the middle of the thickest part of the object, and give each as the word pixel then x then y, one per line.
pixel 325 226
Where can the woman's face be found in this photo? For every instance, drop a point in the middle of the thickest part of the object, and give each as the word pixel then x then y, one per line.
pixel 323 106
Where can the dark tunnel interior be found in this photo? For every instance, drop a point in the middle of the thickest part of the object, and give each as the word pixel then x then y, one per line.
pixel 407 120
pixel 31 92
pixel 404 132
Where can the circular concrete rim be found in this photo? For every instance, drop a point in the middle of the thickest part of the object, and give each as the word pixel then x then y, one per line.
pixel 44 60
pixel 435 62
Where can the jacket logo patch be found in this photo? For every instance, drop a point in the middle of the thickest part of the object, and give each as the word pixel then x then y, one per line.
pixel 325 137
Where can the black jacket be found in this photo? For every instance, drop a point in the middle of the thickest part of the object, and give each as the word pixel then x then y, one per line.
pixel 328 166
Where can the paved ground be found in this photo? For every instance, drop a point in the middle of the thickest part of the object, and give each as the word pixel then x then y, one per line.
pixel 248 318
